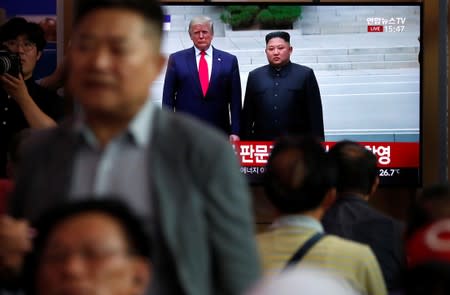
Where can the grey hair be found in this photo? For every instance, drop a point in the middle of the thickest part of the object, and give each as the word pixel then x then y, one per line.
pixel 201 19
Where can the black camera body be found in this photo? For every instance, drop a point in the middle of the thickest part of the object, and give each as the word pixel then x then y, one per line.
pixel 10 63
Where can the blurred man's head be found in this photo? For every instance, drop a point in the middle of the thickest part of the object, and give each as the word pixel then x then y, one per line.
pixel 431 204
pixel 26 39
pixel 278 48
pixel 299 176
pixel 429 243
pixel 357 168
pixel 201 31
pixel 90 247
pixel 114 56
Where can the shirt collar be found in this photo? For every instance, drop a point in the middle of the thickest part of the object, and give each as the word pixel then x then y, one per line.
pixel 208 51
pixel 281 70
pixel 140 126
pixel 351 197
pixel 138 130
pixel 298 220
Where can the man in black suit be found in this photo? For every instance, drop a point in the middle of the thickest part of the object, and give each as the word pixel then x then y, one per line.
pixel 281 97
pixel 351 216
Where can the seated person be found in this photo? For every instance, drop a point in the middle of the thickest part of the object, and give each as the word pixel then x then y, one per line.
pixel 89 247
pixel 23 103
pixel 299 182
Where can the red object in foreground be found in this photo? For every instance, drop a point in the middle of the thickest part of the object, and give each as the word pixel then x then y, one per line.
pixel 429 243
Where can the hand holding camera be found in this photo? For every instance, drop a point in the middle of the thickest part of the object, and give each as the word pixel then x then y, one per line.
pixel 15 87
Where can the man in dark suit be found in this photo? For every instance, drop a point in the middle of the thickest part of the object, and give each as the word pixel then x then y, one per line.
pixel 352 217
pixel 192 197
pixel 215 97
pixel 281 97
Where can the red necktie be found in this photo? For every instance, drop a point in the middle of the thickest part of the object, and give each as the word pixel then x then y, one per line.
pixel 203 72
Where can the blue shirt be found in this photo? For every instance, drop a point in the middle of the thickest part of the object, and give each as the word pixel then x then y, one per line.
pixel 120 168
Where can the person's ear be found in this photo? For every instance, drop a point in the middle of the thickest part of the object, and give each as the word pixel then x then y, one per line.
pixel 329 199
pixel 142 273
pixel 374 186
pixel 38 55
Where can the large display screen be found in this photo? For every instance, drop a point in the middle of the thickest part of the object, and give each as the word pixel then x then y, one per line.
pixel 366 58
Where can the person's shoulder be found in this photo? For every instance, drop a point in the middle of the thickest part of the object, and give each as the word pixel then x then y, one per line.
pixel 54 133
pixel 182 52
pixel 380 221
pixel 302 68
pixel 43 141
pixel 345 246
pixel 359 212
pixel 358 254
pixel 365 213
pixel 260 70
pixel 187 130
pixel 184 141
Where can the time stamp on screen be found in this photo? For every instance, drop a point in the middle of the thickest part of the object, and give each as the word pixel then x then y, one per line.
pixel 385 24
pixel 394 29
pixel 387 29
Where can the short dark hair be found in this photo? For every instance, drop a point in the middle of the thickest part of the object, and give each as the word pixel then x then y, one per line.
pixel 278 34
pixel 356 165
pixel 303 185
pixel 17 26
pixel 137 236
pixel 109 205
pixel 150 9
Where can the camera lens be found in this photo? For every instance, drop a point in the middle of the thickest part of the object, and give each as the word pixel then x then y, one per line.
pixel 5 64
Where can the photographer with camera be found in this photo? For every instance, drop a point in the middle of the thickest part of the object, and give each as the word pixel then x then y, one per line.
pixel 23 103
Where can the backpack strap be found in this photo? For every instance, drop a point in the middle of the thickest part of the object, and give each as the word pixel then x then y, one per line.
pixel 298 255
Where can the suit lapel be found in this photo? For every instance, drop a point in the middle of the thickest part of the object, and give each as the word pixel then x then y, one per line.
pixel 191 61
pixel 164 192
pixel 216 67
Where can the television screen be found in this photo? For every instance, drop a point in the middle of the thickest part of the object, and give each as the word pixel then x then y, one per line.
pixel 365 58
